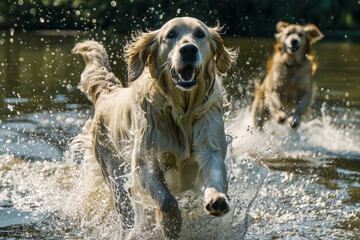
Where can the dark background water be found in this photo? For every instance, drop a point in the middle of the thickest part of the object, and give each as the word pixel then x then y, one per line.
pixel 38 71
pixel 240 18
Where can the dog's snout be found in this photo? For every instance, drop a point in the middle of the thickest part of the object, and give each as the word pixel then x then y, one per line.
pixel 188 51
pixel 294 42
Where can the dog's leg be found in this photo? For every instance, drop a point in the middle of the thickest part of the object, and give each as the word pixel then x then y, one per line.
pixel 143 226
pixel 275 107
pixel 114 169
pixel 301 107
pixel 260 112
pixel 151 179
pixel 215 199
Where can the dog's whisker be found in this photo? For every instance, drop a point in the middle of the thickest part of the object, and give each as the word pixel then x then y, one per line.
pixel 164 66
pixel 165 63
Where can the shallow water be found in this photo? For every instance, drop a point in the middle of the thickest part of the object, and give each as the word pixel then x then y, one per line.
pixel 302 184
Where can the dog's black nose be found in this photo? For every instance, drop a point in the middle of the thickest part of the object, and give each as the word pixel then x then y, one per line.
pixel 188 49
pixel 294 42
pixel 188 52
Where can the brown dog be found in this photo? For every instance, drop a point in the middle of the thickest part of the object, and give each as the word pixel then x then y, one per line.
pixel 166 126
pixel 287 90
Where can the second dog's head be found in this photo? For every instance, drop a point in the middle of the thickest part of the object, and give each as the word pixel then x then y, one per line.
pixel 296 39
pixel 180 55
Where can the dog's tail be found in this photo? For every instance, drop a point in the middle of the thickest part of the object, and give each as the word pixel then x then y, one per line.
pixel 97 76
pixel 93 52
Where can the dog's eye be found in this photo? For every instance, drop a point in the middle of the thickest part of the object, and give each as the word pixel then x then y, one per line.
pixel 171 35
pixel 200 34
pixel 300 34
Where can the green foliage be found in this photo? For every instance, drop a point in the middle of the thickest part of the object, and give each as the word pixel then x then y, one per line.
pixel 242 17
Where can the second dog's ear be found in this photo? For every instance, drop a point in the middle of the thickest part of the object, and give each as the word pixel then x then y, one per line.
pixel 313 33
pixel 281 26
pixel 137 52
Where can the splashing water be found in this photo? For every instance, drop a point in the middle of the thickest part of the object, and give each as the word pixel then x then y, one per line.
pixel 312 190
pixel 68 198
pixel 315 138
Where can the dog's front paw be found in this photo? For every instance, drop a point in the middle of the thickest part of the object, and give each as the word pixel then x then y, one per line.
pixel 281 117
pixel 294 122
pixel 215 203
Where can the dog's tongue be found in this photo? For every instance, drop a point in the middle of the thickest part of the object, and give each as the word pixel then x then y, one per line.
pixel 187 72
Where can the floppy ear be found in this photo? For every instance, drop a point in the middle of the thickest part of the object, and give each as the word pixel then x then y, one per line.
pixel 281 26
pixel 313 33
pixel 137 52
pixel 224 56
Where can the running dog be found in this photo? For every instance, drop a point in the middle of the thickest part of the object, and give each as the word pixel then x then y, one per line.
pixel 166 127
pixel 287 91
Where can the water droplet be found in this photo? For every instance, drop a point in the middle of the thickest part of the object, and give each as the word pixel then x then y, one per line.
pixel 10 107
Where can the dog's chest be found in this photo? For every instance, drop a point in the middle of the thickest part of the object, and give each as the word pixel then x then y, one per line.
pixel 293 84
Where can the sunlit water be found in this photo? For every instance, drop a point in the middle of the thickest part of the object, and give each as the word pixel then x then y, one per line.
pixel 302 184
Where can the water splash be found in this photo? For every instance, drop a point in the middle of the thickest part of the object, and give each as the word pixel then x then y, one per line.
pixel 64 198
pixel 317 137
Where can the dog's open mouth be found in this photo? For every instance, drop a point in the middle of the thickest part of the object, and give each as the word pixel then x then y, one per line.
pixel 294 48
pixel 186 77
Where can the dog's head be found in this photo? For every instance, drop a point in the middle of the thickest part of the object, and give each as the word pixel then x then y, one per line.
pixel 294 38
pixel 182 53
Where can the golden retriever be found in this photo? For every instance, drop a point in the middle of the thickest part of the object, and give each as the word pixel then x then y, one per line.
pixel 166 127
pixel 287 90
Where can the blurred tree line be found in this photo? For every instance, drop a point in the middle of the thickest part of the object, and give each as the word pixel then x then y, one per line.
pixel 241 17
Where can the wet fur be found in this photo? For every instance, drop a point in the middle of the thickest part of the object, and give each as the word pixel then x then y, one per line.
pixel 169 140
pixel 287 90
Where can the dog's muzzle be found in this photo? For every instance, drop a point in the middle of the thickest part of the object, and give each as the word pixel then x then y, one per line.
pixel 185 75
pixel 294 46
